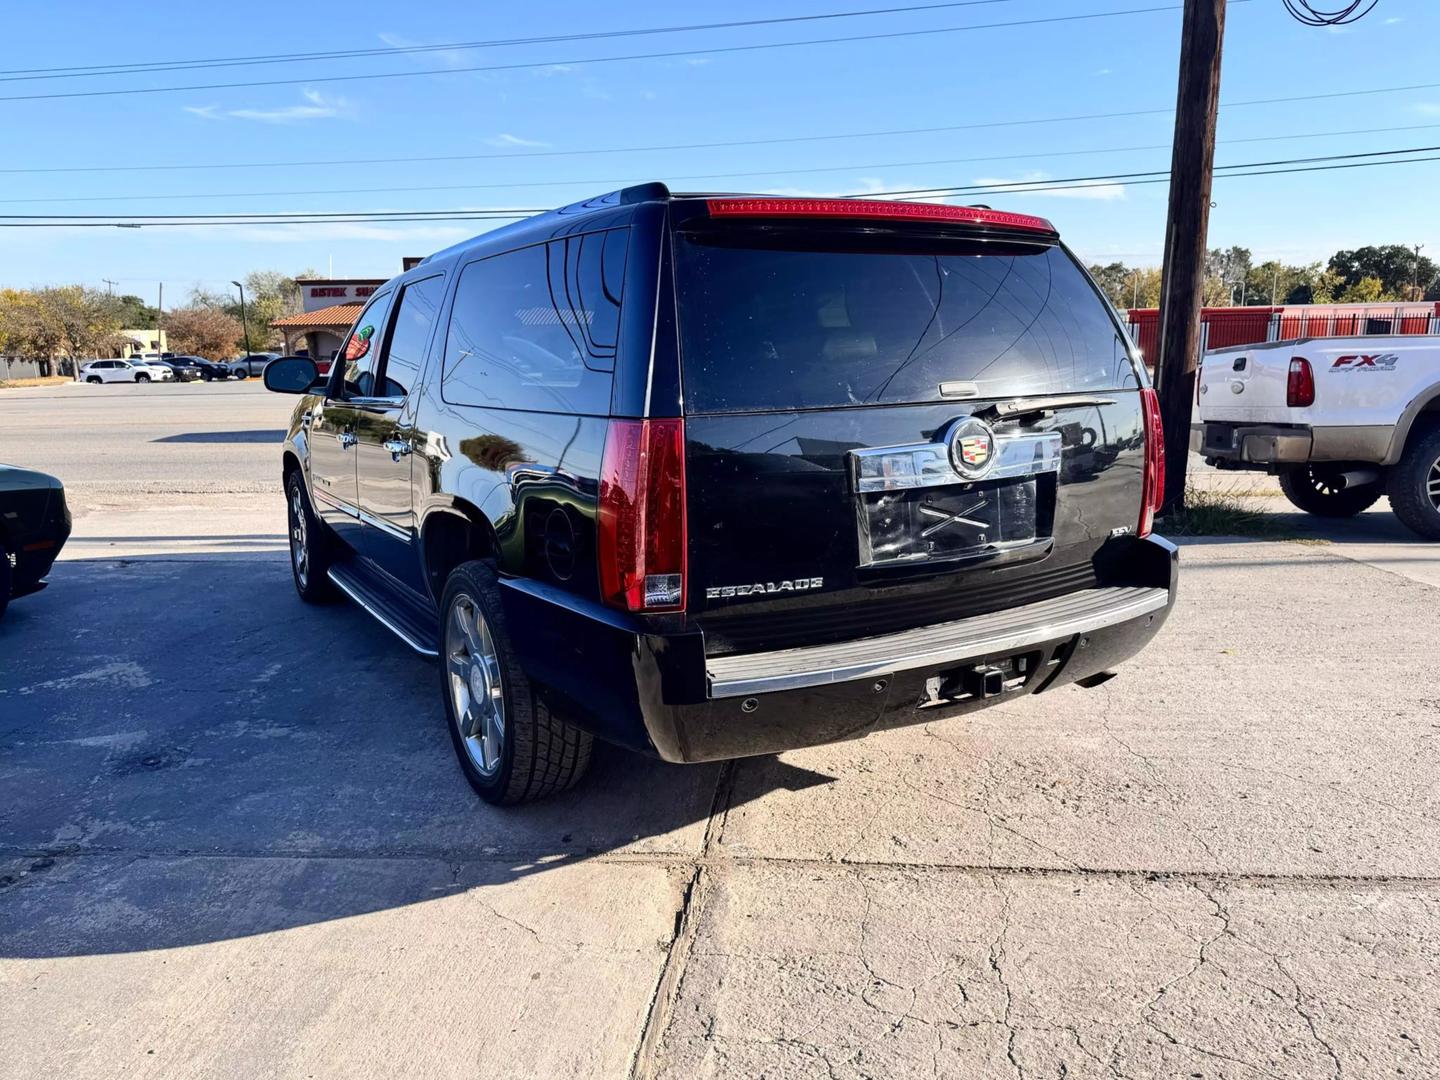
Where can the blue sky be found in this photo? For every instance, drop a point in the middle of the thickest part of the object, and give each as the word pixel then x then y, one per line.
pixel 938 80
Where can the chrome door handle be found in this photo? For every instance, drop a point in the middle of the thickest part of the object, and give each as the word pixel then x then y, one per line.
pixel 347 440
pixel 397 448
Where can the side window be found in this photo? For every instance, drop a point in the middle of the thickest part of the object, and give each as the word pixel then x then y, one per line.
pixel 361 351
pixel 409 334
pixel 537 328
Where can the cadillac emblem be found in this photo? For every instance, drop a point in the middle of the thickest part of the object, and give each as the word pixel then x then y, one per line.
pixel 972 447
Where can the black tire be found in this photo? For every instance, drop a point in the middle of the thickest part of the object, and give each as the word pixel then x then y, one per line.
pixel 1414 486
pixel 7 581
pixel 240 373
pixel 94 380
pixel 1313 488
pixel 311 581
pixel 142 378
pixel 539 753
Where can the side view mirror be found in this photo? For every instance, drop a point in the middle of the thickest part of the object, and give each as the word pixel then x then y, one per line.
pixel 294 375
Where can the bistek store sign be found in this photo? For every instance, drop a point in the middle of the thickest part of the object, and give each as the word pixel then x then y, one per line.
pixel 316 294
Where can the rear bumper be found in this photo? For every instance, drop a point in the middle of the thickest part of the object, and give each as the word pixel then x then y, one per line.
pixel 1241 445
pixel 659 693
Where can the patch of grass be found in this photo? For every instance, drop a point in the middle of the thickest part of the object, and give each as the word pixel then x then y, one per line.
pixel 1213 512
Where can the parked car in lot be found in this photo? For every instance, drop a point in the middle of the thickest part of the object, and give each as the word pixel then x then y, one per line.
pixel 208 370
pixel 1341 421
pixel 243 367
pixel 709 477
pixel 34 525
pixel 181 368
pixel 136 371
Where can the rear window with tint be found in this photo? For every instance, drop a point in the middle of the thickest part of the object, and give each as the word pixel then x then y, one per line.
pixel 782 327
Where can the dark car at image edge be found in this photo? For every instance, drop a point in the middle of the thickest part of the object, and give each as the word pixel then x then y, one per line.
pixel 34 525
pixel 715 476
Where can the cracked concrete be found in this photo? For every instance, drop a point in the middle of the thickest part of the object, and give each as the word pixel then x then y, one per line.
pixel 1223 864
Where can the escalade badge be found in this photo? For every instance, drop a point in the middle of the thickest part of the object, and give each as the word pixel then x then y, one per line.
pixel 763 588
pixel 972 447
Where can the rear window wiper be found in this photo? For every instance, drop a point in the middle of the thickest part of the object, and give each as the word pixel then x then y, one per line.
pixel 1017 407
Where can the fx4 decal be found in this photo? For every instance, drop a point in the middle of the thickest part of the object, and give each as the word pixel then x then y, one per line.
pixel 1361 362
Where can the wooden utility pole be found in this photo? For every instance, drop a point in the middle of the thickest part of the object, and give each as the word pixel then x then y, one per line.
pixel 1182 293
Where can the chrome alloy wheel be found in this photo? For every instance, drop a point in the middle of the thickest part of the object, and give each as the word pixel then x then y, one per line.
pixel 477 694
pixel 1432 484
pixel 299 537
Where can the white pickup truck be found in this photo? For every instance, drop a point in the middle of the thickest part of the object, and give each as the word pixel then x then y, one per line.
pixel 1341 421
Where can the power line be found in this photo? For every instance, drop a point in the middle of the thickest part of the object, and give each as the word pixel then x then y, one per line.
pixel 1110 179
pixel 726 144
pixel 361 216
pixel 714 51
pixel 623 181
pixel 89 70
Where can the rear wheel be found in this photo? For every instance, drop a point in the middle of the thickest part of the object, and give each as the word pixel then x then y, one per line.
pixel 1318 490
pixel 1415 485
pixel 511 747
pixel 309 546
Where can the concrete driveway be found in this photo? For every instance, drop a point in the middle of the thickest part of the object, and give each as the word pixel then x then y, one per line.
pixel 234 841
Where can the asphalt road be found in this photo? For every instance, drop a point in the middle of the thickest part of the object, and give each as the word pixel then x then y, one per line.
pixel 234 842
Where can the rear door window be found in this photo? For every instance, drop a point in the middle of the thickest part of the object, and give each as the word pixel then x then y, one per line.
pixel 537 328
pixel 788 326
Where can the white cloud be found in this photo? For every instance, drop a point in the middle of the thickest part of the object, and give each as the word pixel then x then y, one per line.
pixel 505 139
pixel 448 57
pixel 1393 20
pixel 1102 72
pixel 1033 184
pixel 317 105
pixel 1428 108
pixel 553 69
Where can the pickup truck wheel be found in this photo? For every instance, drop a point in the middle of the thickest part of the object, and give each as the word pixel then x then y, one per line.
pixel 1415 485
pixel 511 747
pixel 309 547
pixel 1315 489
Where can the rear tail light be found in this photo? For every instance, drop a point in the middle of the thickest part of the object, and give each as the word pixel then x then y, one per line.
pixel 870 210
pixel 642 536
pixel 1300 384
pixel 1154 483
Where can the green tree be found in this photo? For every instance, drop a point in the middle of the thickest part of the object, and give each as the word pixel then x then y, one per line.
pixel 1368 290
pixel 1403 273
pixel 135 314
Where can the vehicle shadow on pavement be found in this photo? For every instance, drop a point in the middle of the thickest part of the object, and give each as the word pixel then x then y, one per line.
pixel 191 754
pixel 269 436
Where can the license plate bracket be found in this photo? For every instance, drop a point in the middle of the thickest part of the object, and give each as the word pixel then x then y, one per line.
pixel 951 521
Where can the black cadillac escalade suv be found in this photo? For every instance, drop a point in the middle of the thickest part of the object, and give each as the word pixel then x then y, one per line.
pixel 710 476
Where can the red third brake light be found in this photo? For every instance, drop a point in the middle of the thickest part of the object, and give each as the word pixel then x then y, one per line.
pixel 1154 482
pixel 1300 385
pixel 642 536
pixel 867 210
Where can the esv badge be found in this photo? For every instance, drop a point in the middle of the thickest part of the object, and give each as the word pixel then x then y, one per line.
pixel 972 447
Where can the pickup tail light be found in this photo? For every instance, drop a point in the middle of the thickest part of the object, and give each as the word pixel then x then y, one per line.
pixel 1154 482
pixel 1300 384
pixel 641 529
